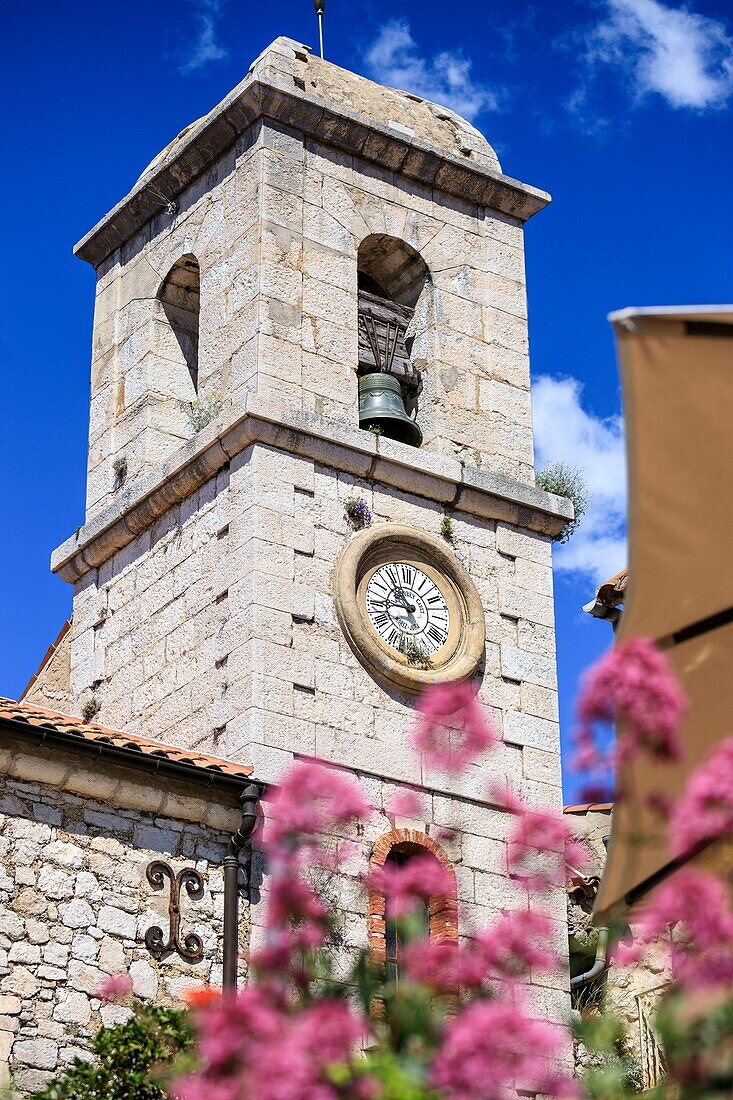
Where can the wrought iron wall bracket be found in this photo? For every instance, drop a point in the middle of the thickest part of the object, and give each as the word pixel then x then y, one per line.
pixel 191 946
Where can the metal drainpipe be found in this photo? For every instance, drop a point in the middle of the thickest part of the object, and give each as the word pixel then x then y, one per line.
pixel 600 964
pixel 249 799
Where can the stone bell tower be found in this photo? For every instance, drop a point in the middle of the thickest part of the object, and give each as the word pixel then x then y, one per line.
pixel 317 239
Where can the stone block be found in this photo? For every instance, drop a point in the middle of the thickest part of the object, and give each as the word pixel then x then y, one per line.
pixel 539 701
pixel 527 729
pixel 84 978
pixel 144 979
pixel 484 854
pixel 523 604
pixel 77 914
pixel 116 921
pixel 28 953
pixel 541 766
pixel 518 664
pixel 40 1053
pixel 482 821
pixel 64 854
pixel 73 1008
pixel 54 883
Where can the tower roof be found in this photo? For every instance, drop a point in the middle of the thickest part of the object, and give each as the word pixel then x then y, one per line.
pixel 397 130
pixel 406 114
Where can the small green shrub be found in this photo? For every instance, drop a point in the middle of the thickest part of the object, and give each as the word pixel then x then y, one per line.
pixel 91 708
pixel 446 528
pixel 566 481
pixel 202 412
pixel 129 1061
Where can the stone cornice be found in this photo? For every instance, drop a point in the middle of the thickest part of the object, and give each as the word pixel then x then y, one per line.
pixel 318 118
pixel 339 446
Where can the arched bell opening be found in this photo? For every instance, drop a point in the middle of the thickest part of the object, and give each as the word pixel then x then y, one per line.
pixel 392 280
pixel 180 296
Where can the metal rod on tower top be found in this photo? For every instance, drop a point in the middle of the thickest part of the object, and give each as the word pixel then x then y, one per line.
pixel 320 6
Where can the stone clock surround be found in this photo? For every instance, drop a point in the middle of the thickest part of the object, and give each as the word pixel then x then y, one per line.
pixel 400 542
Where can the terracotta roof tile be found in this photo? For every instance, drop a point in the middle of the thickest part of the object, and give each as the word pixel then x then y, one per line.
pixel 589 808
pixel 613 591
pixel 38 718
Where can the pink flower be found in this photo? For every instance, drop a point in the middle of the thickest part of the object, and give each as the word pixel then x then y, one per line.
pixel 406 803
pixel 705 810
pixel 516 944
pixel 420 878
pixel 453 729
pixel 253 1047
pixel 541 845
pixel 436 965
pixel 114 987
pixel 634 687
pixel 697 906
pixel 312 801
pixel 312 804
pixel 491 1047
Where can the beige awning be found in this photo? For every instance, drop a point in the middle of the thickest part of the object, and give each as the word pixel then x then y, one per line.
pixel 677 374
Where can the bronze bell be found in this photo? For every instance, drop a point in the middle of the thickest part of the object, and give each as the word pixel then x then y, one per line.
pixel 381 406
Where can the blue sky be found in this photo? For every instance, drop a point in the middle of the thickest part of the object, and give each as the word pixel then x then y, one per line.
pixel 619 108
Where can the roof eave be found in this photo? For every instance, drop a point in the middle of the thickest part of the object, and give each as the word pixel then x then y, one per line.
pixel 41 736
pixel 317 118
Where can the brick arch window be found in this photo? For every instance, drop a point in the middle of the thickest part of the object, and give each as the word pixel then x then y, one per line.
pixel 441 911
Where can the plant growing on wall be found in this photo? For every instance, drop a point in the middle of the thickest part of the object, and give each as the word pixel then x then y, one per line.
pixel 357 513
pixel 566 481
pixel 413 651
pixel 91 708
pixel 446 528
pixel 119 468
pixel 202 411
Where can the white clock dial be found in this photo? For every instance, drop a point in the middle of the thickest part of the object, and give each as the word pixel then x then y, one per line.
pixel 407 609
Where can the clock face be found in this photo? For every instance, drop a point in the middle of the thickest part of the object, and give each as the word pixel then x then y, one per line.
pixel 407 609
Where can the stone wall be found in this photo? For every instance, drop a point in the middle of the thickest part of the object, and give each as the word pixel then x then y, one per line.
pixel 75 902
pixel 217 629
pixel 630 993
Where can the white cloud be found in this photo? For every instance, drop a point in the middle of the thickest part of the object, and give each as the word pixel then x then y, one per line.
pixel 205 48
pixel 567 432
pixel 394 59
pixel 685 57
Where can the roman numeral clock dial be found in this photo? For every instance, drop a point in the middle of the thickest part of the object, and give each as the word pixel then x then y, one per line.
pixel 407 609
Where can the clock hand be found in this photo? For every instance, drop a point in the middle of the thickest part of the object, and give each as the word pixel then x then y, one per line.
pixel 402 600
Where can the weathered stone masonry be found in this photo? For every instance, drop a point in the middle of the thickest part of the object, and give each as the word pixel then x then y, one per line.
pixel 75 903
pixel 203 575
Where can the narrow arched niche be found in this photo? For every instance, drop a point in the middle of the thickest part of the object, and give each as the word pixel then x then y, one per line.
pixel 180 296
pixel 395 317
